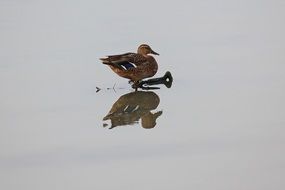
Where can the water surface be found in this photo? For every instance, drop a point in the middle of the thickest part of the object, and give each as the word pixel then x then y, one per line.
pixel 220 126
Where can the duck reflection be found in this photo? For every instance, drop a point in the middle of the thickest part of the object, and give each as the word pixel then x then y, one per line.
pixel 131 107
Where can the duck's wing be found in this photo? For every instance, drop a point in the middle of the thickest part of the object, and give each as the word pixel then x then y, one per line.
pixel 124 61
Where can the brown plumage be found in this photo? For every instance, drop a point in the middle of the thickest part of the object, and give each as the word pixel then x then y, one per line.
pixel 133 66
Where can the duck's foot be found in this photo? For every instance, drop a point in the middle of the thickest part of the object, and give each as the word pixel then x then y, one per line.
pixel 135 85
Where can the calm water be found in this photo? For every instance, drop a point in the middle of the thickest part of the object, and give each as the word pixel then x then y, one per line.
pixel 220 126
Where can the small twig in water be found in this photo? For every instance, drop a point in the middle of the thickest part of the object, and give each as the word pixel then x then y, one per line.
pixel 112 87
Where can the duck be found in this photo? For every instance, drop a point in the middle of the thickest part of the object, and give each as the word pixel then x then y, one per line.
pixel 133 66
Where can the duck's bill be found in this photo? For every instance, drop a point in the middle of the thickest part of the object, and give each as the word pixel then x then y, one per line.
pixel 153 52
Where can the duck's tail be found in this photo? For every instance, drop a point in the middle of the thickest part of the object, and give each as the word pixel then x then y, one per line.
pixel 105 60
pixel 108 61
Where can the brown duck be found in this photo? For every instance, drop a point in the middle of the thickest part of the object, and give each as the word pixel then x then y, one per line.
pixel 133 66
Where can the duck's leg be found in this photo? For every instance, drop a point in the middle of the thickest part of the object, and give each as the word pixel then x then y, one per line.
pixel 136 85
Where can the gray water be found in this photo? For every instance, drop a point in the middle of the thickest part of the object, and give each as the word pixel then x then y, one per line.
pixel 220 125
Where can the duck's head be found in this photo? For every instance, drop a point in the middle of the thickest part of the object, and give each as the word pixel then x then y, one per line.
pixel 145 49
